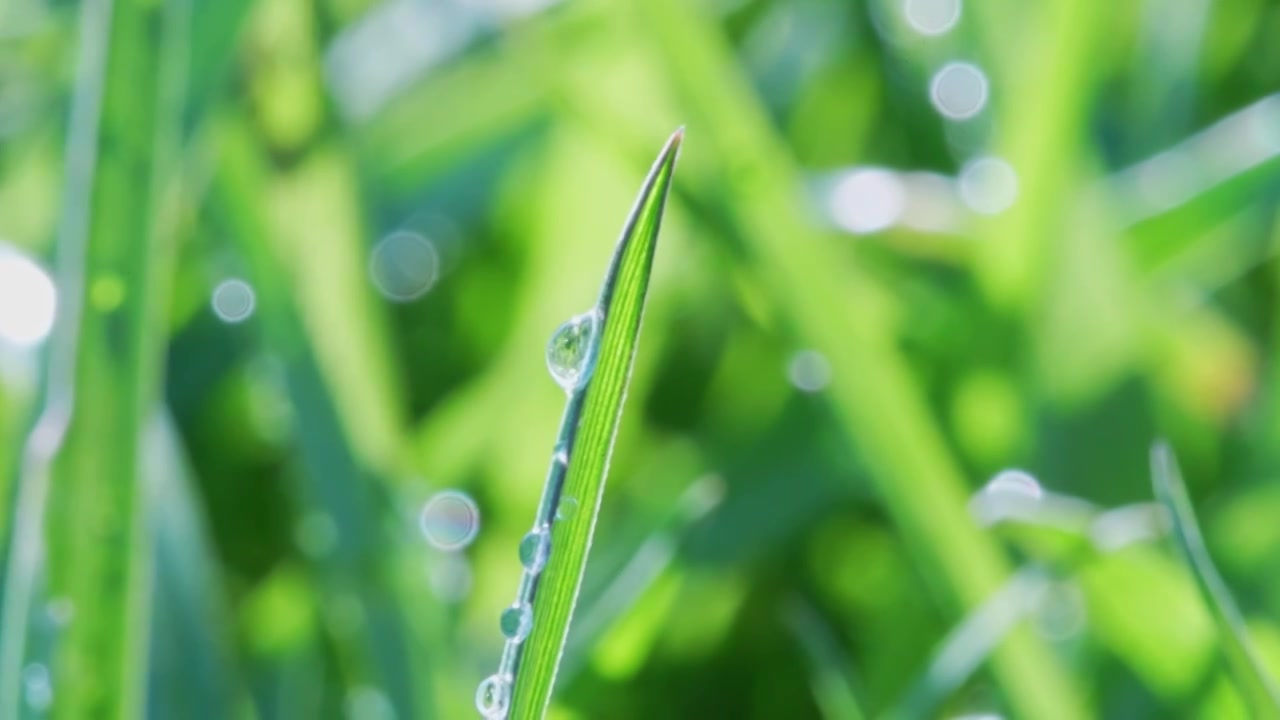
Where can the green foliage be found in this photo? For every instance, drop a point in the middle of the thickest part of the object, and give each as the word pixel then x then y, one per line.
pixel 215 508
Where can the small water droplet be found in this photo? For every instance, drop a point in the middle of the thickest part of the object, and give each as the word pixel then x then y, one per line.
pixel 450 520
pixel 404 266
pixel 233 300
pixel 516 622
pixel 570 352
pixel 567 508
pixel 534 549
pixel 493 697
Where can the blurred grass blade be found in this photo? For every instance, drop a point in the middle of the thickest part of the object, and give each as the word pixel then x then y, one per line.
pixel 1257 686
pixel 193 664
pixel 81 506
pixel 833 687
pixel 589 427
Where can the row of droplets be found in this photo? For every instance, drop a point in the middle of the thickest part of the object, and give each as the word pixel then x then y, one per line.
pixel 571 356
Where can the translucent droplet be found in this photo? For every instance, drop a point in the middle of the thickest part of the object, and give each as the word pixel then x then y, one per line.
pixel 233 300
pixel 516 622
pixel 959 90
pixel 28 300
pixel 567 508
pixel 932 17
pixel 37 687
pixel 404 266
pixel 1015 483
pixel 809 371
pixel 493 697
pixel 450 520
pixel 570 352
pixel 534 549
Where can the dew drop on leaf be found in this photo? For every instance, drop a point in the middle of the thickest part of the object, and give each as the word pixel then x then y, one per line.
pixel 534 549
pixel 493 697
pixel 516 622
pixel 570 350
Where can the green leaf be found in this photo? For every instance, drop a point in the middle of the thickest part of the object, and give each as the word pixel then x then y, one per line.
pixel 1257 686
pixel 81 506
pixel 587 435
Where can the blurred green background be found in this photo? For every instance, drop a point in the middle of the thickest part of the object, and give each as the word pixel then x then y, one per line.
pixel 933 277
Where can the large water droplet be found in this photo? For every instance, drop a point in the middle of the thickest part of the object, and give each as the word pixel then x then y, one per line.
pixel 534 549
pixel 570 352
pixel 516 622
pixel 493 697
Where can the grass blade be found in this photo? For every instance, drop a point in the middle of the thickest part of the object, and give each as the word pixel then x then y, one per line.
pixel 81 503
pixel 578 468
pixel 1257 686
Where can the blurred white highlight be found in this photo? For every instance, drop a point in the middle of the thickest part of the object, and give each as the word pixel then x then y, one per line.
pixel 988 185
pixel 867 200
pixel 932 17
pixel 1236 144
pixel 404 266
pixel 959 90
pixel 28 300
pixel 809 371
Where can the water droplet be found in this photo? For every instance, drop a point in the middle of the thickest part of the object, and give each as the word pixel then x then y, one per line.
pixel 1014 483
pixel 932 17
pixel 959 90
pixel 450 520
pixel 809 371
pixel 28 300
pixel 567 508
pixel 404 266
pixel 233 300
pixel 493 697
pixel 37 687
pixel 570 352
pixel 516 622
pixel 534 549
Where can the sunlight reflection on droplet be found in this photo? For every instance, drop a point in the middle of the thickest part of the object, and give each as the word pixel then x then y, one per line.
pixel 809 371
pixel 932 17
pixel 988 185
pixel 233 300
pixel 959 90
pixel 867 200
pixel 450 520
pixel 404 266
pixel 28 300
